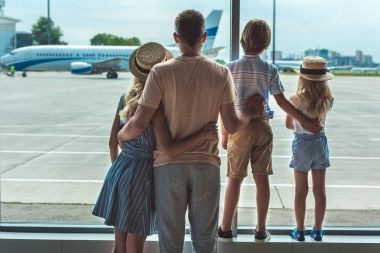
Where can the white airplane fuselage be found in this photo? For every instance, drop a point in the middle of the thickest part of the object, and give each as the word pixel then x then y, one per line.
pixel 60 58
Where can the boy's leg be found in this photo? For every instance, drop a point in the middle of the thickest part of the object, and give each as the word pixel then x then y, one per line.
pixel 171 198
pixel 261 161
pixel 262 200
pixel 204 206
pixel 301 190
pixel 230 202
pixel 238 148
pixel 319 192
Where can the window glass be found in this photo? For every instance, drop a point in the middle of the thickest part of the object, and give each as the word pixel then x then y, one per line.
pixel 333 30
pixel 55 126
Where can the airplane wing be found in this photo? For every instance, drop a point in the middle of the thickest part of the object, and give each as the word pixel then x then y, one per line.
pixel 109 64
pixel 344 67
pixel 212 52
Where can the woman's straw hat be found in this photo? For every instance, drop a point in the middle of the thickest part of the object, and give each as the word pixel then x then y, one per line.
pixel 314 68
pixel 145 57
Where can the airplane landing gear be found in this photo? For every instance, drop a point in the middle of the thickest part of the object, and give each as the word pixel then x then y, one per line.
pixel 112 75
pixel 24 74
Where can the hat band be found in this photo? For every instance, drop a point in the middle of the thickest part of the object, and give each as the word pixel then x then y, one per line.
pixel 145 71
pixel 313 71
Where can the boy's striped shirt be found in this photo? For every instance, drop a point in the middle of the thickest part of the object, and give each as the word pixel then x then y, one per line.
pixel 253 75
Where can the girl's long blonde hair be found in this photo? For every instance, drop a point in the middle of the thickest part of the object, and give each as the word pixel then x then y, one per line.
pixel 131 99
pixel 316 96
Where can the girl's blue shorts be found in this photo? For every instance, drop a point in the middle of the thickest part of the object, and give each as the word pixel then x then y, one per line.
pixel 310 151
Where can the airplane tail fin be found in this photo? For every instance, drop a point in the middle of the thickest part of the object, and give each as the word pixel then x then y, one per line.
pixel 212 25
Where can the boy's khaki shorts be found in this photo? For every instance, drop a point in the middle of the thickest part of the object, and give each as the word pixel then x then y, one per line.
pixel 254 142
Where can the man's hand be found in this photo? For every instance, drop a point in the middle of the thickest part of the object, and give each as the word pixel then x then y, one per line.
pixel 255 107
pixel 210 132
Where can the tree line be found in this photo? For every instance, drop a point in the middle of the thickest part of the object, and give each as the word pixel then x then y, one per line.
pixel 39 36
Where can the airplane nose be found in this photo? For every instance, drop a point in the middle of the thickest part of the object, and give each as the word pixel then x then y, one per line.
pixel 2 60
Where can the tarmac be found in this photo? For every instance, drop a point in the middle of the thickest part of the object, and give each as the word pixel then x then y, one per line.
pixel 54 130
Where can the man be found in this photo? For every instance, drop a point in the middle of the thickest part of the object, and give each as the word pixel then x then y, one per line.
pixel 193 90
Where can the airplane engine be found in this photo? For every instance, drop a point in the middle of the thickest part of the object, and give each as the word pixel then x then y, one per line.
pixel 81 68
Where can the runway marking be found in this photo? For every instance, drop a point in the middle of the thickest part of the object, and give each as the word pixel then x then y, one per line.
pixel 221 155
pixel 101 181
pixel 54 135
pixel 54 152
pixel 290 139
pixel 51 125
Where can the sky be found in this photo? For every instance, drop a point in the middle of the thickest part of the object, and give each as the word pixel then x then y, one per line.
pixel 340 25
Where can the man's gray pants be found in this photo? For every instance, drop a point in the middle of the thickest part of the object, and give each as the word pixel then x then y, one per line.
pixel 195 186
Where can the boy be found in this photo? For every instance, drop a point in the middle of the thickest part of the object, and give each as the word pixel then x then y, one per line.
pixel 251 76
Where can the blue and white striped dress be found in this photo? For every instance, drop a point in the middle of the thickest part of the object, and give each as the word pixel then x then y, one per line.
pixel 126 199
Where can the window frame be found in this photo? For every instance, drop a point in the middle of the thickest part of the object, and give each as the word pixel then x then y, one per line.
pixel 242 229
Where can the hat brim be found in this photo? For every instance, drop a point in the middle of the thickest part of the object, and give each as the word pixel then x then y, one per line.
pixel 325 77
pixel 142 76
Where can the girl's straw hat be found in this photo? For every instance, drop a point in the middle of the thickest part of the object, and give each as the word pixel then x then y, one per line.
pixel 314 68
pixel 145 57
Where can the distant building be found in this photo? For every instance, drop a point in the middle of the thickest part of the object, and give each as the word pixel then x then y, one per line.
pixel 324 53
pixel 359 57
pixel 367 60
pixel 345 61
pixel 277 55
pixel 23 39
pixel 7 31
pixel 311 52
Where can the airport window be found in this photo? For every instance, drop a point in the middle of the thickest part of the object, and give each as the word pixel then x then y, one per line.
pixel 348 200
pixel 58 163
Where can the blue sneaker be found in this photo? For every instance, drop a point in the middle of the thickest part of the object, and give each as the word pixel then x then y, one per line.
pixel 298 235
pixel 316 234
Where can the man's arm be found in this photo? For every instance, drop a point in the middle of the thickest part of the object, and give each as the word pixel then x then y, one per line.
pixel 224 136
pixel 312 125
pixel 173 148
pixel 230 120
pixel 137 124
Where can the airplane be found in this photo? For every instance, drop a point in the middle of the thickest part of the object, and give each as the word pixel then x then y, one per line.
pixel 366 69
pixel 89 60
pixel 290 65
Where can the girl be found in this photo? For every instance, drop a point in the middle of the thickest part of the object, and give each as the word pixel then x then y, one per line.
pixel 310 151
pixel 126 200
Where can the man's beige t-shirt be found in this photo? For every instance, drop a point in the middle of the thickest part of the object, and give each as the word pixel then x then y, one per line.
pixel 192 90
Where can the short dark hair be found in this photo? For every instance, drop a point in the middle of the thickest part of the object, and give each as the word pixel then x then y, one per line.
pixel 190 26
